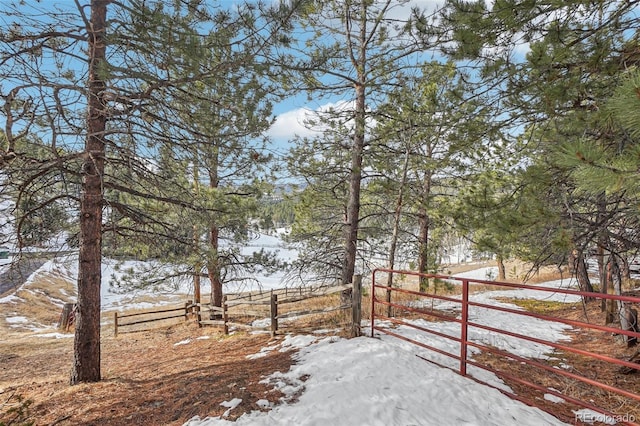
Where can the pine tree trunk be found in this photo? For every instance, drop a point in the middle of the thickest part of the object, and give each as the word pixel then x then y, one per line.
pixel 355 177
pixel 625 269
pixel 571 261
pixel 396 230
pixel 604 278
pixel 423 249
pixel 196 249
pixel 196 275
pixel 213 268
pixel 603 261
pixel 624 314
pixel 424 223
pixel 502 270
pixel 213 265
pixel 582 275
pixel 86 348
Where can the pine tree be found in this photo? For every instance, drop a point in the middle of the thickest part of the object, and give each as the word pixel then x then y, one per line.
pixel 559 93
pixel 219 120
pixel 353 50
pixel 108 136
pixel 441 134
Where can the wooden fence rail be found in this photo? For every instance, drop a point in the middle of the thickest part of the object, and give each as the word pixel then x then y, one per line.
pixel 281 297
pixel 183 310
pixel 205 314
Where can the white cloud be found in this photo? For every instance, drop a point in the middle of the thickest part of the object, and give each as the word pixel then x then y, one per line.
pixel 290 124
pixel 294 123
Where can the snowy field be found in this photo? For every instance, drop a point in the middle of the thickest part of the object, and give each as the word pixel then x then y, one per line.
pixel 172 291
pixel 372 381
pixel 383 380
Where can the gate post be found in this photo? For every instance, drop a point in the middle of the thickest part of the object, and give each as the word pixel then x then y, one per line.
pixel 373 300
pixel 465 325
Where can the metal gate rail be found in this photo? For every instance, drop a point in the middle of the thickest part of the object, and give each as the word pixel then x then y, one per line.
pixel 462 338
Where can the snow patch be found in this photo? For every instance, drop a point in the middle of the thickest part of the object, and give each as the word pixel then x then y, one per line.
pixel 10 299
pixel 230 405
pixel 263 403
pixel 17 320
pixel 369 381
pixel 553 398
pixel 55 335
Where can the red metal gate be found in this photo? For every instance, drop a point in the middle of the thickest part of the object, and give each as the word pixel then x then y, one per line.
pixel 385 298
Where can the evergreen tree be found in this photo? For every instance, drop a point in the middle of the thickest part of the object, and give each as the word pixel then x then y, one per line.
pixel 442 134
pixel 559 93
pixel 107 133
pixel 218 121
pixel 352 50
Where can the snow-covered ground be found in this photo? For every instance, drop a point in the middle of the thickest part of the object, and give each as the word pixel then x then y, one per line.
pixel 374 381
pixel 175 290
pixel 379 381
pixel 384 381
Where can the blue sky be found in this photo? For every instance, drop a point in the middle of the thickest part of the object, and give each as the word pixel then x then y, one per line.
pixel 290 113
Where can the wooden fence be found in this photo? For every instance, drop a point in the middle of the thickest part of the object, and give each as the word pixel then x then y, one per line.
pixel 148 316
pixel 272 305
pixel 239 309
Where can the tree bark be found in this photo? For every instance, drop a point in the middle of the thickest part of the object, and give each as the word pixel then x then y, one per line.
pixel 86 349
pixel 213 269
pixel 396 229
pixel 352 221
pixel 502 270
pixel 624 314
pixel 353 204
pixel 423 233
pixel 604 277
pixel 582 275
pixel 213 265
pixel 196 249
pixel 423 249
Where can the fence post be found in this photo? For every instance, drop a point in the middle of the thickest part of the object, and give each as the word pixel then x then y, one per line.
pixel 225 314
pixel 274 313
pixel 465 326
pixel 64 323
pixel 190 308
pixel 194 308
pixel 356 305
pixel 115 324
pixel 186 310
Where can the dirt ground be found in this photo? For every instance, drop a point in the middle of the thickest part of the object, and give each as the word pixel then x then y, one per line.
pixel 594 341
pixel 147 378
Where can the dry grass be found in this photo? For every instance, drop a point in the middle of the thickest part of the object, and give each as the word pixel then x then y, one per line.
pixel 35 303
pixel 147 379
pixel 585 339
